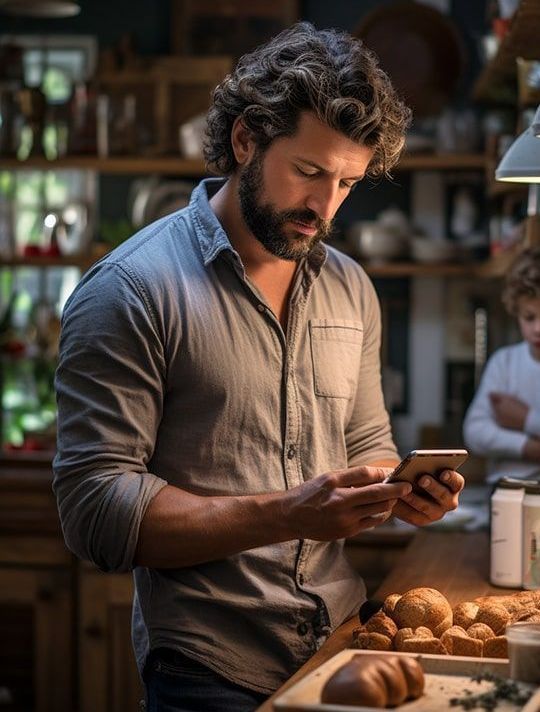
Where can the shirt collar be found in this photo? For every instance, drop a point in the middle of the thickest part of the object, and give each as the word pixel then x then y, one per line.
pixel 210 234
pixel 213 239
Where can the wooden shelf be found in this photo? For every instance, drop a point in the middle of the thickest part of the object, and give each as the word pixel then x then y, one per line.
pixel 492 268
pixel 83 262
pixel 166 165
pixel 498 80
pixel 174 165
pixel 442 162
pixel 415 269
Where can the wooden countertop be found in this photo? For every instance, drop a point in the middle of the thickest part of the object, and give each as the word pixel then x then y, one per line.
pixel 457 564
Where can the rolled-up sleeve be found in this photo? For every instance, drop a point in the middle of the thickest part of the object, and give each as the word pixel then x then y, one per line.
pixel 109 385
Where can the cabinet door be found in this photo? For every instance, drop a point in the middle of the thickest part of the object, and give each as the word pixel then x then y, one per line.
pixel 108 676
pixel 36 652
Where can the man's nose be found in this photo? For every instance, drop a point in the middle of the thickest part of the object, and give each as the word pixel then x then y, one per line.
pixel 324 200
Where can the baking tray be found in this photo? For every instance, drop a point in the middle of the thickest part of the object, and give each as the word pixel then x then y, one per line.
pixel 446 676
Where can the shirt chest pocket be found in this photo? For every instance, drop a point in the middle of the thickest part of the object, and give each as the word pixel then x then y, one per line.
pixel 336 352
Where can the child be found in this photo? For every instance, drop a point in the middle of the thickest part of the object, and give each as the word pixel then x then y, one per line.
pixel 503 420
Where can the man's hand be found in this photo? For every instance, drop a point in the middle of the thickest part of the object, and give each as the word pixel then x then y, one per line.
pixel 509 412
pixel 443 496
pixel 342 503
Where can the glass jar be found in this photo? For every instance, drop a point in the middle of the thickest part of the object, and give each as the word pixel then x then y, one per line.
pixel 524 651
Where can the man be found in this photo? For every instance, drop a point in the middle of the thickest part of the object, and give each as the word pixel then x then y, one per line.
pixel 221 422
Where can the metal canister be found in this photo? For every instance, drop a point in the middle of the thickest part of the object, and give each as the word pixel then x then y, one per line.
pixel 506 533
pixel 531 536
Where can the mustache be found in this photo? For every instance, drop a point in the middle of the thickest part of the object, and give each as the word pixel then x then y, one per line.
pixel 308 217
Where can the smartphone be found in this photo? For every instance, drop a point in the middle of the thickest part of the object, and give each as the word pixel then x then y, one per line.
pixel 432 462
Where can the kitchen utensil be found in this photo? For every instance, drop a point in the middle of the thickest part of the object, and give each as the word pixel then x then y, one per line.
pixel 376 242
pixel 428 251
pixel 151 198
pixel 419 48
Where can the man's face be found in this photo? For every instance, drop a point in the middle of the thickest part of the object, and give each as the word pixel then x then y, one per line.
pixel 290 193
pixel 529 323
pixel 272 226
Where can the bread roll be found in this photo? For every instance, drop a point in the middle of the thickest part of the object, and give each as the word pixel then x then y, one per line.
pixel 374 682
pixel 448 637
pixel 464 645
pixel 494 616
pixel 381 623
pixel 423 645
pixel 371 641
pixel 458 642
pixel 531 615
pixel 480 631
pixel 401 635
pixel 496 647
pixel 390 603
pixel 423 607
pixel 464 614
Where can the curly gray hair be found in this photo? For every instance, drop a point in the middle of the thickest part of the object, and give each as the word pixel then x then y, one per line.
pixel 328 72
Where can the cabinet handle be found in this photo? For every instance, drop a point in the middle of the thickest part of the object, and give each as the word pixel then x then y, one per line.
pixel 94 630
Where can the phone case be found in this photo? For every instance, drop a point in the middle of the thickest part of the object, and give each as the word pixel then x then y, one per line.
pixel 427 461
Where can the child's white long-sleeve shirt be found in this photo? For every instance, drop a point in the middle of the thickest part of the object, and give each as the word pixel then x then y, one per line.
pixel 513 371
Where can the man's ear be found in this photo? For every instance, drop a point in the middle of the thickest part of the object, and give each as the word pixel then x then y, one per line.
pixel 242 142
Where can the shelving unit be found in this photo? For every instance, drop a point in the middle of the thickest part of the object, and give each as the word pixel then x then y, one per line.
pixel 497 81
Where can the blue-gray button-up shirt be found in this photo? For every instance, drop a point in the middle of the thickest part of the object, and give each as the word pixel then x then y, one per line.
pixel 174 370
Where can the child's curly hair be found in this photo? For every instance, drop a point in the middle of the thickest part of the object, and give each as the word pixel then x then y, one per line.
pixel 522 280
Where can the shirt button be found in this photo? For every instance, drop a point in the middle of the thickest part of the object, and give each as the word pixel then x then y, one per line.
pixel 260 307
pixel 291 452
pixel 302 628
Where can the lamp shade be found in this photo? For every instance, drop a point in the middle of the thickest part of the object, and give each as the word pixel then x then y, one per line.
pixel 521 163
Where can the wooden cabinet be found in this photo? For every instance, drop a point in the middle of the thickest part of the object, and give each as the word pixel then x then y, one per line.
pixel 36 655
pixel 108 676
pixel 65 628
pixel 37 652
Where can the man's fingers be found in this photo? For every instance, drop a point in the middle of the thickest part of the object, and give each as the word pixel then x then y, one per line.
pixel 378 493
pixel 370 510
pixel 361 476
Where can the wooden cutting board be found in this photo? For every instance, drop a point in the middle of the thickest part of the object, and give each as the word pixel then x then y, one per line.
pixel 445 677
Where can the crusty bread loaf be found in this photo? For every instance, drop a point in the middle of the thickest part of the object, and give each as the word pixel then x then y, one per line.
pixel 423 607
pixel 375 682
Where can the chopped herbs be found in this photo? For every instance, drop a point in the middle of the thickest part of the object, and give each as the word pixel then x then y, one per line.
pixel 503 689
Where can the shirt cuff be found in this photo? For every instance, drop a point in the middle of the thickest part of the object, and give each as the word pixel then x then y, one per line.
pixel 532 423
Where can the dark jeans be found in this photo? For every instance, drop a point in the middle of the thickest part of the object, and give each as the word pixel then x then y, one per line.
pixel 176 683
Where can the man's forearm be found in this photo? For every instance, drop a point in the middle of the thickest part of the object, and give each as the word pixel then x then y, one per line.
pixel 182 529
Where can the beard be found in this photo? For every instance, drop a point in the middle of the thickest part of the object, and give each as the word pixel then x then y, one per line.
pixel 268 224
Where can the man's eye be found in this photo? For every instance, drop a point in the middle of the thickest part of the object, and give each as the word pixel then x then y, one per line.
pixel 305 173
pixel 349 186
